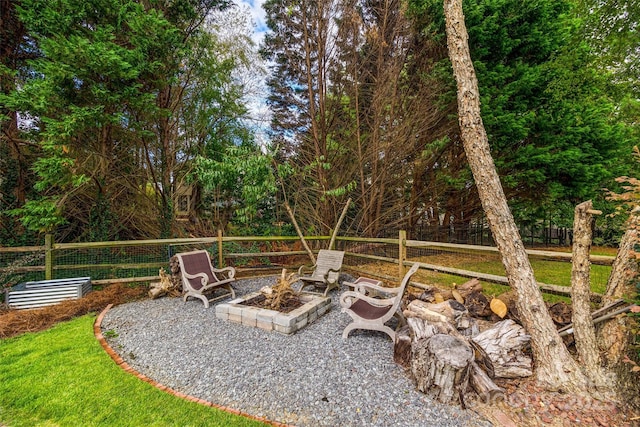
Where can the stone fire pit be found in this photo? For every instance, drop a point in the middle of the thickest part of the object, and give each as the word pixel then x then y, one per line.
pixel 313 307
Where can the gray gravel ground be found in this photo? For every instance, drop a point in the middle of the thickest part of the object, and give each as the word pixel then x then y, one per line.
pixel 311 378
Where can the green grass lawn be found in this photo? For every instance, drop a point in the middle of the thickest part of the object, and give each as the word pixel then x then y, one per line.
pixel 549 272
pixel 63 377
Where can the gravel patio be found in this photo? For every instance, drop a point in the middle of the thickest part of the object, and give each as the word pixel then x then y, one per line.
pixel 310 378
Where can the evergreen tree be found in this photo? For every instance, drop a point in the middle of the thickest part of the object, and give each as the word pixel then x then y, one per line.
pixel 551 124
pixel 104 97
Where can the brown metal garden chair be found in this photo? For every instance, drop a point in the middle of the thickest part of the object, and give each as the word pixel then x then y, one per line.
pixel 372 313
pixel 200 278
pixel 325 273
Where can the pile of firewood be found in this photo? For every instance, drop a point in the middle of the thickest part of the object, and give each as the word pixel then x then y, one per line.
pixel 459 338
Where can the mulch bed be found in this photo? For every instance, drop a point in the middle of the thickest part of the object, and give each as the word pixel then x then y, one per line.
pixel 528 405
pixel 15 322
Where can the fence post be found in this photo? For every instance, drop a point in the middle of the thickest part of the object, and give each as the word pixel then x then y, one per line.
pixel 402 252
pixel 220 257
pixel 48 256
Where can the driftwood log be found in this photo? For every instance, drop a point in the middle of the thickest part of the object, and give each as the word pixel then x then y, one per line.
pixel 446 311
pixel 440 366
pixel 503 344
pixel 488 391
pixel 417 329
pixel 166 286
pixel 402 347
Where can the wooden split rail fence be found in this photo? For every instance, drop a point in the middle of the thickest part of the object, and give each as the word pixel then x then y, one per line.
pixel 139 261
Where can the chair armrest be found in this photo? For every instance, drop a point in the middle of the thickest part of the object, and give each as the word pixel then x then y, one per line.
pixel 329 280
pixel 304 269
pixel 230 272
pixel 363 287
pixel 202 276
pixel 349 297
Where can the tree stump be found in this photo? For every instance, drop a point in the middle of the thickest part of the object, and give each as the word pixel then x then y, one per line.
pixel 440 366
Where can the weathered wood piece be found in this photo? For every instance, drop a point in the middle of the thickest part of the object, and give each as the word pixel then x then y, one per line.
pixel 165 286
pixel 421 312
pixel 433 294
pixel 470 286
pixel 422 329
pixel 488 391
pixel 440 366
pixel 402 347
pixel 503 344
pixel 448 310
pixel 482 359
pixel 467 325
pixel 477 304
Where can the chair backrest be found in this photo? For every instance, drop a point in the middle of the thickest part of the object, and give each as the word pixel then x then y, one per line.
pixel 196 262
pixel 328 260
pixel 404 283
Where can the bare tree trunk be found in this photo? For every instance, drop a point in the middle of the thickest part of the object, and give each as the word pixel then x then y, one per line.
pixel 584 331
pixel 613 337
pixel 297 227
pixel 332 242
pixel 555 368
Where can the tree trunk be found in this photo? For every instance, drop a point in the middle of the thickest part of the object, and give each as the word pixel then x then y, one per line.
pixel 336 229
pixel 555 368
pixel 614 335
pixel 297 227
pixel 584 331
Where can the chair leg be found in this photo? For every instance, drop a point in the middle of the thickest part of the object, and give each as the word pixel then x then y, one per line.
pixel 381 328
pixel 387 330
pixel 199 296
pixel 233 292
pixel 204 300
pixel 350 327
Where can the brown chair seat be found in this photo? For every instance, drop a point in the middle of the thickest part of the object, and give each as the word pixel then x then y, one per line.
pixel 369 311
pixel 372 313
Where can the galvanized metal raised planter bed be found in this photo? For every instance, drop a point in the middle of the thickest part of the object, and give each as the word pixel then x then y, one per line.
pixel 46 292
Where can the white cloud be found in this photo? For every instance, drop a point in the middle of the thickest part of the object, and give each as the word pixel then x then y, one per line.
pixel 258 17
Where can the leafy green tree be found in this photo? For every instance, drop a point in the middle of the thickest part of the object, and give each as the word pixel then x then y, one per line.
pixel 104 97
pixel 551 122
pixel 16 153
pixel 222 161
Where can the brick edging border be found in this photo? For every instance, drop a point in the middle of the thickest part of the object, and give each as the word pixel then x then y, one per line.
pixel 97 332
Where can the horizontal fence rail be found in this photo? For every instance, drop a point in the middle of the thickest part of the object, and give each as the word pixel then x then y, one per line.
pixel 384 258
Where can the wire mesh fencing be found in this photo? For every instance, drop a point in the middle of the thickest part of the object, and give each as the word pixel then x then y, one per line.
pixel 141 260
